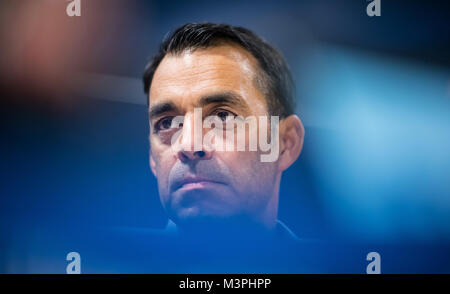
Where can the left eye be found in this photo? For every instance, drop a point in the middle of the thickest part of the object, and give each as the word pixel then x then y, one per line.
pixel 224 115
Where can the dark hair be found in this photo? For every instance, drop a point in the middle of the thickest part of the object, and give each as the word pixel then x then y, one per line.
pixel 274 79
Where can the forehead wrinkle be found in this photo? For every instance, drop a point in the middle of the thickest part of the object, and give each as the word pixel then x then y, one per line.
pixel 189 74
pixel 189 80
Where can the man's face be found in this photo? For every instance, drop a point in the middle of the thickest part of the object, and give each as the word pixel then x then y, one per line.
pixel 208 186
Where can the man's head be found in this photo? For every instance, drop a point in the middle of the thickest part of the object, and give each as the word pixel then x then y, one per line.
pixel 226 72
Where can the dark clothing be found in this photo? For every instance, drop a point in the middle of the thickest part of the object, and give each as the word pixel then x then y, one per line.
pixel 167 251
pixel 142 250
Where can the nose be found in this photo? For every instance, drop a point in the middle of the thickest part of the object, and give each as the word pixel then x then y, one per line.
pixel 191 146
pixel 188 156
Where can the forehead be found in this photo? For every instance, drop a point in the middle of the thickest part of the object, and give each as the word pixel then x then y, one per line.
pixel 185 77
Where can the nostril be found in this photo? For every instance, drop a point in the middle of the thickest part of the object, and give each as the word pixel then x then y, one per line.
pixel 200 153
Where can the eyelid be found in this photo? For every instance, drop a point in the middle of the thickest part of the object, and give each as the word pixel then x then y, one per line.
pixel 215 111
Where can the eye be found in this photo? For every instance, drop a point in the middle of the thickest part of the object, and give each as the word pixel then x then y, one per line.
pixel 163 124
pixel 224 115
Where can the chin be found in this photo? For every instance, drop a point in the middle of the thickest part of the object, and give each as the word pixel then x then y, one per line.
pixel 198 215
pixel 203 204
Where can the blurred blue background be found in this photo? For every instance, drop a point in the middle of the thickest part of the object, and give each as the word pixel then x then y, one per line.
pixel 373 94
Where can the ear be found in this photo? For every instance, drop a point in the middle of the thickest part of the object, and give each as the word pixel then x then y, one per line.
pixel 152 163
pixel 292 134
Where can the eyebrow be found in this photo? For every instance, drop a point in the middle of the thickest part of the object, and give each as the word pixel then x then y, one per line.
pixel 161 108
pixel 227 97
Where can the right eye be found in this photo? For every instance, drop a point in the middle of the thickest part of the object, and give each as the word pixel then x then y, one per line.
pixel 163 124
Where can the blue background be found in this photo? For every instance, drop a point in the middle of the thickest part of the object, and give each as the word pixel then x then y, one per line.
pixel 373 94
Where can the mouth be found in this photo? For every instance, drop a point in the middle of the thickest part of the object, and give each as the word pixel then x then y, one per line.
pixel 192 183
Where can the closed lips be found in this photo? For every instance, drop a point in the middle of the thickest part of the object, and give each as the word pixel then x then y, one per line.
pixel 186 181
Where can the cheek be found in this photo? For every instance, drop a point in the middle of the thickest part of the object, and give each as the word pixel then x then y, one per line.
pixel 163 163
pixel 252 178
pixel 243 168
